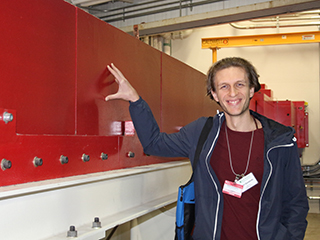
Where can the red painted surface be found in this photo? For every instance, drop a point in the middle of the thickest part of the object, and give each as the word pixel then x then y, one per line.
pixel 54 80
pixel 183 95
pixel 263 104
pixel 286 112
pixel 37 65
pixel 301 124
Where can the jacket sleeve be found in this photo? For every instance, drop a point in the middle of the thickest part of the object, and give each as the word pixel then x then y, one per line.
pixel 158 143
pixel 295 203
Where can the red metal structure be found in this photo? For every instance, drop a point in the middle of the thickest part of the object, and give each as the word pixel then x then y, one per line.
pixel 53 83
pixel 289 113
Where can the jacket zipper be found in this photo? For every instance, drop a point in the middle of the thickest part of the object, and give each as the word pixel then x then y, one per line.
pixel 215 184
pixel 271 169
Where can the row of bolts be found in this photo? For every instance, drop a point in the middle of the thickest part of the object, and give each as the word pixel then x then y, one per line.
pixel 7 164
pixel 74 233
pixel 37 162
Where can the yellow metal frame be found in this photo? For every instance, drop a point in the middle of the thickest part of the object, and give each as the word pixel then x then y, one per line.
pixel 258 40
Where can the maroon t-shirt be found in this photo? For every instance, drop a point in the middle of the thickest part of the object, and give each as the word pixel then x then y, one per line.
pixel 239 214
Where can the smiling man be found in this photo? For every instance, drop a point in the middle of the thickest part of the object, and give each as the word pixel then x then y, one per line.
pixel 248 180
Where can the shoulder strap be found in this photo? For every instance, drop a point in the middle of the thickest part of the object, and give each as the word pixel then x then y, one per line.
pixel 203 137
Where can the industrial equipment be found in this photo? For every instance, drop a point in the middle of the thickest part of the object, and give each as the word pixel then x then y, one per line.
pixel 289 113
pixel 54 120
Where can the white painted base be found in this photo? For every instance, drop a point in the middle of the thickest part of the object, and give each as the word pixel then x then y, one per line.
pixel 46 210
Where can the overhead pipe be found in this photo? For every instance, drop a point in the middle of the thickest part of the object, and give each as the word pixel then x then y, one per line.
pixel 276 22
pixel 124 15
pixel 124 9
pixel 291 17
pixel 295 15
pixel 276 19
pixel 137 5
pixel 275 25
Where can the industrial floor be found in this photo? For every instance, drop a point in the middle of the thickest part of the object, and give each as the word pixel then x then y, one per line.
pixel 313 229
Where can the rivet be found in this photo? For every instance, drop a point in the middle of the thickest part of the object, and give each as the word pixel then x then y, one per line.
pixel 37 162
pixel 7 117
pixel 64 159
pixel 85 157
pixel 104 156
pixel 72 232
pixel 130 154
pixel 96 223
pixel 5 164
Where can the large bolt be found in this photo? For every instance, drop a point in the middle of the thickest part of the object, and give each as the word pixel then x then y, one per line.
pixel 37 162
pixel 64 159
pixel 7 117
pixel 85 157
pixel 72 232
pixel 130 154
pixel 5 164
pixel 104 156
pixel 96 223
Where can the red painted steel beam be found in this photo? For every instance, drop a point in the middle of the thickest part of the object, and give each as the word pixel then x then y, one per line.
pixel 54 81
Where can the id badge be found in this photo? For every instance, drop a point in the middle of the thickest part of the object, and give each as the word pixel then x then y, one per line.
pixel 247 182
pixel 232 188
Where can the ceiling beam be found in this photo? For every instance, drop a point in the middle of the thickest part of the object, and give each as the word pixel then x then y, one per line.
pixel 87 3
pixel 270 8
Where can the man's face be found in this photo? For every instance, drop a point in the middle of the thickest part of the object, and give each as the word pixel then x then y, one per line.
pixel 232 90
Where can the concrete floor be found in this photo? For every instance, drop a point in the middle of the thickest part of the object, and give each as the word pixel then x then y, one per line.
pixel 313 229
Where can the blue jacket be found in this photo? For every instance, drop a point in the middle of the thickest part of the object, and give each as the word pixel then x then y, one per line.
pixel 283 204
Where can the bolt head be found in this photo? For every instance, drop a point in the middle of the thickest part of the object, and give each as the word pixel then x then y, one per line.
pixel 5 164
pixel 37 162
pixel 85 157
pixel 7 117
